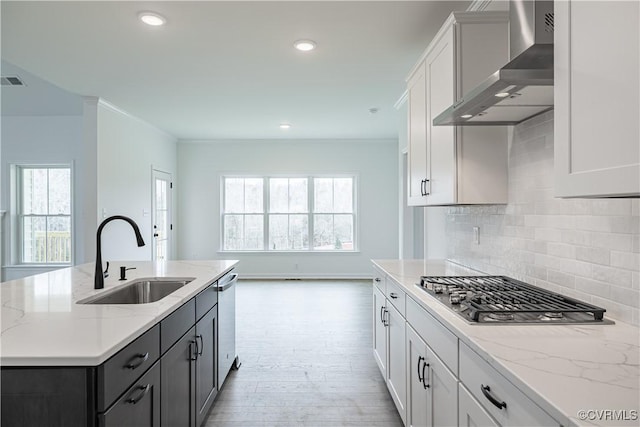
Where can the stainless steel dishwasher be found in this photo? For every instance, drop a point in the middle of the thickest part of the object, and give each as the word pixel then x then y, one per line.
pixel 227 357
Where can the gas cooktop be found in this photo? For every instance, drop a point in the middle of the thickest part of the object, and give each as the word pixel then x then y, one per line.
pixel 501 299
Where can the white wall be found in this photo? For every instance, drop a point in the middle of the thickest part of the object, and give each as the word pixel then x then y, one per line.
pixel 39 140
pixel 127 151
pixel 201 164
pixel 584 248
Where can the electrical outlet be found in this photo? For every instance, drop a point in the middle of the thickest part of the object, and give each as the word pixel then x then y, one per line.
pixel 476 235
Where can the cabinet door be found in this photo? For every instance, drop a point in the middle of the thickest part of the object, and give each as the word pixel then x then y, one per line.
pixel 441 142
pixel 139 406
pixel 397 362
pixel 597 99
pixel 178 383
pixel 418 172
pixel 443 393
pixel 379 331
pixel 206 363
pixel 417 397
pixel 470 413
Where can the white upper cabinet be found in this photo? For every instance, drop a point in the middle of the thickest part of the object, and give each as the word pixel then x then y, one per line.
pixel 451 165
pixel 417 168
pixel 597 98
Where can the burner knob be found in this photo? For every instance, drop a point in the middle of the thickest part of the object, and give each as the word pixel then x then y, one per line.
pixel 454 298
pixel 437 289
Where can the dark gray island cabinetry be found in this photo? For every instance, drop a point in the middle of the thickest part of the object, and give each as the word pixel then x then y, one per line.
pixel 167 376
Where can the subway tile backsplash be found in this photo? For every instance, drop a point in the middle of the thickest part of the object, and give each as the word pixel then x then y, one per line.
pixel 583 248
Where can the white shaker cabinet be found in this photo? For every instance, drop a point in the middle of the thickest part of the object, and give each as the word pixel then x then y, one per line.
pixel 451 165
pixel 470 412
pixel 389 330
pixel 396 372
pixel 432 390
pixel 379 331
pixel 417 114
pixel 597 99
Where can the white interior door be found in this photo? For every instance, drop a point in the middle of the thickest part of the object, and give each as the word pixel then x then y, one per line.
pixel 161 215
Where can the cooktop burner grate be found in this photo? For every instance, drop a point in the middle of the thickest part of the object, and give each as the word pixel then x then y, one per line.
pixel 501 299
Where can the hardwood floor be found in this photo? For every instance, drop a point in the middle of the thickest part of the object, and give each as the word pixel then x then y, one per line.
pixel 305 349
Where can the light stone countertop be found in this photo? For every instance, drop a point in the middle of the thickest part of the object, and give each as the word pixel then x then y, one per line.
pixel 563 368
pixel 42 325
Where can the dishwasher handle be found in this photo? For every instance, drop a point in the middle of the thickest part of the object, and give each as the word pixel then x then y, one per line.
pixel 226 282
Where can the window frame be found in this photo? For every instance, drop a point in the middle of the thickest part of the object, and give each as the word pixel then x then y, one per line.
pixel 18 215
pixel 310 213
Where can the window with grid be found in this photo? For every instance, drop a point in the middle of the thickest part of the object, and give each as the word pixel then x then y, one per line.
pixel 44 214
pixel 291 213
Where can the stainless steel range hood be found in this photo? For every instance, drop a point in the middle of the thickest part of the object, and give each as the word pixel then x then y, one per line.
pixel 521 89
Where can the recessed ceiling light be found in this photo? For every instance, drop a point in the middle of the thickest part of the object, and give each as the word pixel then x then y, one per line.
pixel 466 116
pixel 285 126
pixel 152 18
pixel 305 45
pixel 502 94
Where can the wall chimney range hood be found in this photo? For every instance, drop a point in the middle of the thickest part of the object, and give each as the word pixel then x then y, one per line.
pixel 521 89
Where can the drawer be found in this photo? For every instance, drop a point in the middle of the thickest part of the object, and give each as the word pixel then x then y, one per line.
pixel 476 374
pixel 379 279
pixel 176 324
pixel 395 293
pixel 443 342
pixel 470 412
pixel 116 374
pixel 206 299
pixel 138 406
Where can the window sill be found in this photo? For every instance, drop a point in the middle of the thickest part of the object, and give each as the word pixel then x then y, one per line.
pixel 35 266
pixel 289 252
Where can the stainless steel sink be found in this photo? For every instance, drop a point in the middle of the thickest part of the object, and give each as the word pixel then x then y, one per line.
pixel 140 291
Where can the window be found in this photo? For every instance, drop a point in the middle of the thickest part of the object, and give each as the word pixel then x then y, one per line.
pixel 44 214
pixel 288 213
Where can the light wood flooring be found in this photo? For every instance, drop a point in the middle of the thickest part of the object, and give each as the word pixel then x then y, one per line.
pixel 305 349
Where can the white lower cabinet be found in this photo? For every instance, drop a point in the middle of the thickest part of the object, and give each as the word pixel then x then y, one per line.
pixel 379 331
pixel 470 412
pixel 499 397
pixel 432 390
pixel 435 379
pixel 389 331
pixel 397 372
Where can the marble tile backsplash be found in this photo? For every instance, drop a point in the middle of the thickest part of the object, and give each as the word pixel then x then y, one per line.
pixel 583 248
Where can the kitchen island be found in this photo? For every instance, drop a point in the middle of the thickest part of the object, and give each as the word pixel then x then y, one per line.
pixel 52 344
pixel 580 374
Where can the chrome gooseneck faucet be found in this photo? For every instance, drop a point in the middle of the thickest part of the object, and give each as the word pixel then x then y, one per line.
pixel 99 276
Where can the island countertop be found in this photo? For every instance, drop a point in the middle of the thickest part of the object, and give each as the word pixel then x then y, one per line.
pixel 570 371
pixel 43 324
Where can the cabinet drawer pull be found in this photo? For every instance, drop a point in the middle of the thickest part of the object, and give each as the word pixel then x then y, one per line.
pixel 385 320
pixel 143 357
pixel 199 347
pixel 393 295
pixel 377 279
pixel 382 314
pixel 420 359
pixel 424 378
pixel 193 355
pixel 486 390
pixel 145 389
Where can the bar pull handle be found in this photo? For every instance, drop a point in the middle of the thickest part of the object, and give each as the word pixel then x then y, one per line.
pixel 486 390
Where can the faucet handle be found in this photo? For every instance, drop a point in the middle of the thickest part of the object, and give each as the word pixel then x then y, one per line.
pixel 106 271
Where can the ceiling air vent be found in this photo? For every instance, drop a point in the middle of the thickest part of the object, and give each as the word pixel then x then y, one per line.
pixel 11 81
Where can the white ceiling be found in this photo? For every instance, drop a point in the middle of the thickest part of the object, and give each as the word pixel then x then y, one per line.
pixel 222 70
